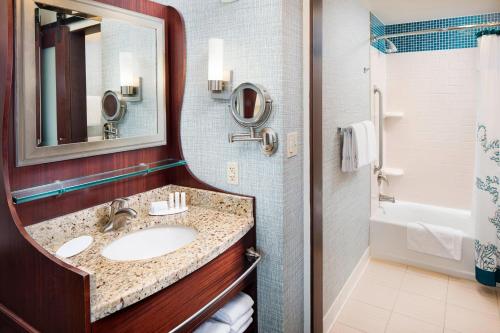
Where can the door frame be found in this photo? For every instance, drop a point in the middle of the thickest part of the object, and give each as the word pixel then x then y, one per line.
pixel 316 162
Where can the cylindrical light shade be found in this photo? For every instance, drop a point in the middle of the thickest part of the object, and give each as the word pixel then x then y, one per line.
pixel 126 69
pixel 215 59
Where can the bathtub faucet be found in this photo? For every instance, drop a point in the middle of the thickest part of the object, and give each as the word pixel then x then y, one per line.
pixel 383 197
pixel 386 198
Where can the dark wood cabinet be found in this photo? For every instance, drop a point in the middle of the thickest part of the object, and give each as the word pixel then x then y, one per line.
pixel 168 308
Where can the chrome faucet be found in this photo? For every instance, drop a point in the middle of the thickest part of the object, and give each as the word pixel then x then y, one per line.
pixel 119 213
pixel 381 178
pixel 386 198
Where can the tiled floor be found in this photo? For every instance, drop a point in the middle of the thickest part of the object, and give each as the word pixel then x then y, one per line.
pixel 396 298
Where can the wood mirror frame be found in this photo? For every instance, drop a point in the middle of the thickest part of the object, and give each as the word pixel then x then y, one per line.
pixel 41 292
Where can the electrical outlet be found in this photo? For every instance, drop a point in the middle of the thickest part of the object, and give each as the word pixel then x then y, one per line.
pixel 291 144
pixel 232 173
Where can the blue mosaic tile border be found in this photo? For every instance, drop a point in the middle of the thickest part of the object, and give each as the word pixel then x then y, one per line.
pixel 434 41
pixel 377 28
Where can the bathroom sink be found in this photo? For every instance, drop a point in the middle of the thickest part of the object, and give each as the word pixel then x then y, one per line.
pixel 149 243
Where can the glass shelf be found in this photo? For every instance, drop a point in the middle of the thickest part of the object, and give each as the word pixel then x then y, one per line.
pixel 60 187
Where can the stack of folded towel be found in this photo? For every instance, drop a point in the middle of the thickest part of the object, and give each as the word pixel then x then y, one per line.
pixel 359 146
pixel 234 317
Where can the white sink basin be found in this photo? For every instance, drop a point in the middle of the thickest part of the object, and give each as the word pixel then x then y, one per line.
pixel 149 243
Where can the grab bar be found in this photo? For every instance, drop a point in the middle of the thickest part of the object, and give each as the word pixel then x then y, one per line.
pixel 376 90
pixel 251 255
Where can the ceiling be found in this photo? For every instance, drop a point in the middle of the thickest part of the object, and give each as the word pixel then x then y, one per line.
pixel 403 11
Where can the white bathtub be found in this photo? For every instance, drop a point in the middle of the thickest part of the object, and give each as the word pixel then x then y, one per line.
pixel 388 236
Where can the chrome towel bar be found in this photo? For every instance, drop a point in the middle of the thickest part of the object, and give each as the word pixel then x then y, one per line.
pixel 252 256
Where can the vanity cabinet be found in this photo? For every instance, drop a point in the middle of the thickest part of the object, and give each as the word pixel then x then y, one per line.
pixel 165 310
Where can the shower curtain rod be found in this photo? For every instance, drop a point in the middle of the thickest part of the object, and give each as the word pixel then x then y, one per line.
pixel 430 31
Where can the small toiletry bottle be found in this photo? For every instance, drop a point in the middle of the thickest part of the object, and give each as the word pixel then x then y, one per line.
pixel 183 200
pixel 177 200
pixel 170 201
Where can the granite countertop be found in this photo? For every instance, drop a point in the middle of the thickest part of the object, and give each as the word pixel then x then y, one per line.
pixel 220 219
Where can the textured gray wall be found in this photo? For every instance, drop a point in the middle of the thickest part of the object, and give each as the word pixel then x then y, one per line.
pixel 346 197
pixel 263 44
pixel 293 251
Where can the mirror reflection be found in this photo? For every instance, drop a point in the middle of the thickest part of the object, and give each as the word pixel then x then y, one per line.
pixel 248 103
pixel 79 58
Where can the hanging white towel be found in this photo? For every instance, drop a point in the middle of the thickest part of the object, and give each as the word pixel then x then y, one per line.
pixel 213 326
pixel 234 309
pixel 240 323
pixel 436 240
pixel 359 146
pixel 371 140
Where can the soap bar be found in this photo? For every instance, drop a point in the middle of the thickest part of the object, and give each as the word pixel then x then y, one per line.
pixel 74 246
pixel 158 207
pixel 170 207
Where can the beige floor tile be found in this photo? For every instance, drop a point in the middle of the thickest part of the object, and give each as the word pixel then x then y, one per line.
pixel 341 328
pixel 498 300
pixel 375 294
pixel 427 273
pixel 364 317
pixel 472 284
pixel 420 307
pixel 466 321
pixel 463 282
pixel 404 324
pixel 385 273
pixel 447 330
pixel 473 297
pixel 425 285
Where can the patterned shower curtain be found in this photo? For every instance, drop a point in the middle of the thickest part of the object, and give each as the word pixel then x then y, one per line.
pixel 486 206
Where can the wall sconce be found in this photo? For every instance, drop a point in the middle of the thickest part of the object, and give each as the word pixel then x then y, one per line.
pixel 219 80
pixel 130 86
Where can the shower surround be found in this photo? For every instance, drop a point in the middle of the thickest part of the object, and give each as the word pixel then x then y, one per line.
pixel 432 84
pixel 432 81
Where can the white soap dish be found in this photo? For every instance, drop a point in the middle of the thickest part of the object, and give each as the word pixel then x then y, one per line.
pixel 74 246
pixel 169 211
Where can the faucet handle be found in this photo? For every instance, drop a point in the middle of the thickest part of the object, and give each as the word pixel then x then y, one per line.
pixel 382 178
pixel 121 202
pixel 117 204
pixel 122 215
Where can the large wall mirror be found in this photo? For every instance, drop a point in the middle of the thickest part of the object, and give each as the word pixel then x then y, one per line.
pixel 90 79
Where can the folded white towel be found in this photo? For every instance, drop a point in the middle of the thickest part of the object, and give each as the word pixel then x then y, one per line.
pixel 359 146
pixel 236 327
pixel 246 325
pixel 234 309
pixel 213 326
pixel 435 240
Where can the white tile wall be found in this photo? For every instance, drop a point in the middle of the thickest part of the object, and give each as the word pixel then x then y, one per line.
pixel 378 78
pixel 433 143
